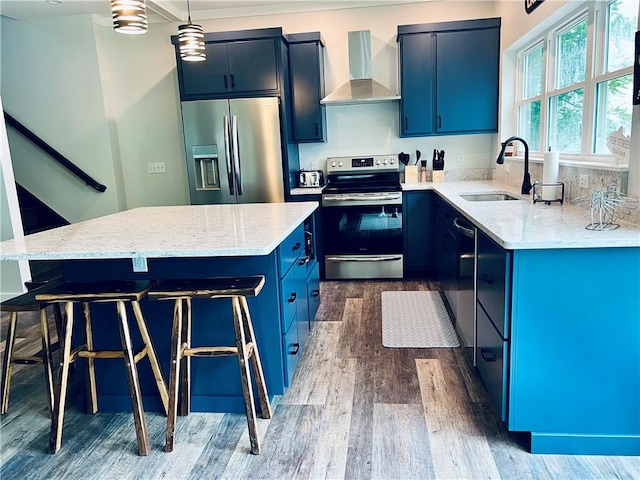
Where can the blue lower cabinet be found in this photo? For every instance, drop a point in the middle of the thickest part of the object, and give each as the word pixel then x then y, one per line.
pixel 288 298
pixel 292 351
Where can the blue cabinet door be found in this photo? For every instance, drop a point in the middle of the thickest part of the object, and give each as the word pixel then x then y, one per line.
pixel 418 232
pixel 467 80
pixel 417 74
pixel 307 89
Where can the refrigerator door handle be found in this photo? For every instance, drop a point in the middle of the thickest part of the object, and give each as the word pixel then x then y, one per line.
pixel 227 154
pixel 236 153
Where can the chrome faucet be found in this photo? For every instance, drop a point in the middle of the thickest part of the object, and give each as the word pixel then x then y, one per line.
pixel 526 182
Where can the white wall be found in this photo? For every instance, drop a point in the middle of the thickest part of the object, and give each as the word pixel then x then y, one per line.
pixel 13 274
pixel 51 84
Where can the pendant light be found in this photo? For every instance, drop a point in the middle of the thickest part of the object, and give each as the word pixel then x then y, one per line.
pixel 129 16
pixel 191 40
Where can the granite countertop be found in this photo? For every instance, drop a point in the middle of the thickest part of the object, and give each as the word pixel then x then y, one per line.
pixel 524 225
pixel 156 232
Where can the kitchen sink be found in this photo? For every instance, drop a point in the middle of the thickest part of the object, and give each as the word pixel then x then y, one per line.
pixel 488 197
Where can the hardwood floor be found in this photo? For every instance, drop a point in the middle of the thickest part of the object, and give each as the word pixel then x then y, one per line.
pixel 355 410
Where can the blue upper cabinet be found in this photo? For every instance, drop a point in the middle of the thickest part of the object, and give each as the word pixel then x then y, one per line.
pixel 238 64
pixel 306 69
pixel 449 77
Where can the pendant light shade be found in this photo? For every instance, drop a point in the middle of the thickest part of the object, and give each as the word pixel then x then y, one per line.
pixel 191 41
pixel 129 16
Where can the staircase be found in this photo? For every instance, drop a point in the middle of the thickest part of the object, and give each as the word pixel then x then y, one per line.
pixel 37 217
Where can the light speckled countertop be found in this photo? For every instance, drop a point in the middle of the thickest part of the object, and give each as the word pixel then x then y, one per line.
pixel 156 232
pixel 525 225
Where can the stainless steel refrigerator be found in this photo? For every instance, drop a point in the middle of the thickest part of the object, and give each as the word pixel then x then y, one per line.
pixel 233 150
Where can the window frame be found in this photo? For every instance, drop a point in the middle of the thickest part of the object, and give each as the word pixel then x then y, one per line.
pixel 595 14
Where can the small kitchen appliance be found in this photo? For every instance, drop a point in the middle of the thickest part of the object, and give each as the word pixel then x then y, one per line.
pixel 310 178
pixel 362 218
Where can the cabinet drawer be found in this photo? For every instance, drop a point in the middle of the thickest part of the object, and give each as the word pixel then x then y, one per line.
pixel 493 282
pixel 492 362
pixel 292 351
pixel 289 250
pixel 288 299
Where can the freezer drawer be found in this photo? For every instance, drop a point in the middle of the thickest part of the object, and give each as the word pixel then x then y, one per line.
pixel 493 362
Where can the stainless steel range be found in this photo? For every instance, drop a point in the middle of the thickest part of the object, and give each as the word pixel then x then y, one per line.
pixel 362 218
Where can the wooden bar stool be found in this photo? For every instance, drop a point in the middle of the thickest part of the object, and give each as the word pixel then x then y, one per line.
pixel 237 289
pixel 70 293
pixel 20 304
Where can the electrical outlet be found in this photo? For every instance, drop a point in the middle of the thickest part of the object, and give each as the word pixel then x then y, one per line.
pixel 460 160
pixel 584 181
pixel 140 264
pixel 156 167
pixel 506 167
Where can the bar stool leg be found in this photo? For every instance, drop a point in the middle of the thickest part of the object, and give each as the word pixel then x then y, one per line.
pixel 142 434
pixel 265 406
pixel 47 361
pixel 185 375
pixel 174 373
pixel 245 376
pixel 153 359
pixel 92 391
pixel 6 366
pixel 60 397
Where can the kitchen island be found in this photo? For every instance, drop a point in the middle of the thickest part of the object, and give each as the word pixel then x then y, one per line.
pixel 193 242
pixel 557 326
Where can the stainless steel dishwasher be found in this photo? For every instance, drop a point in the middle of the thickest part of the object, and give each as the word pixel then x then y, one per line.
pixel 465 297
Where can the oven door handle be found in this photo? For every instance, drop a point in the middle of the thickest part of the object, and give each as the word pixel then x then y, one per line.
pixel 387 258
pixel 347 198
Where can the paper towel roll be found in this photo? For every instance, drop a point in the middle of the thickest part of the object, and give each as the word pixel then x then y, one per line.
pixel 550 175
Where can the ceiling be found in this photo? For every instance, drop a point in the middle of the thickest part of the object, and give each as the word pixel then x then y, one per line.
pixel 176 10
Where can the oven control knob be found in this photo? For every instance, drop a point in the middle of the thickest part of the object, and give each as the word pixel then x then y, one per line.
pixel 333 164
pixel 384 161
pixel 391 161
pixel 340 164
pixel 378 162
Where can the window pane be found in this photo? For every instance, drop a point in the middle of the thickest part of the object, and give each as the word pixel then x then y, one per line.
pixel 532 74
pixel 613 110
pixel 572 55
pixel 565 121
pixel 529 124
pixel 622 19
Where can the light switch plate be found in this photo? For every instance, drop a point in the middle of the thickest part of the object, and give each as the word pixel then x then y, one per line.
pixel 156 167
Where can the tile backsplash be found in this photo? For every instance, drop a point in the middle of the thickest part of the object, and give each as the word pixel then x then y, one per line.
pixel 570 175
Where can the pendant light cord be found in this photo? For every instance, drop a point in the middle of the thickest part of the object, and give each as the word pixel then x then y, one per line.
pixel 188 12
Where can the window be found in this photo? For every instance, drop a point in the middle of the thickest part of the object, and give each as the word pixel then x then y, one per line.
pixel 575 82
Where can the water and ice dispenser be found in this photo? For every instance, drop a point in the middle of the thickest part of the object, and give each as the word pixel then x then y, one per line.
pixel 206 170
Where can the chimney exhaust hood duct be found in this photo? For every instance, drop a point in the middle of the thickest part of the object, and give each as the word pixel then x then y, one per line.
pixel 361 88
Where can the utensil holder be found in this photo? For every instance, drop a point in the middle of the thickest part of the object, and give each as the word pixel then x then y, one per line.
pixel 411 174
pixel 438 175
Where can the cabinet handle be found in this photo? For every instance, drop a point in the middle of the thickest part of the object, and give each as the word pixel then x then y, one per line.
pixel 296 349
pixel 226 82
pixel 487 355
pixel 233 81
pixel 292 298
pixel 315 293
pixel 486 278
pixel 303 261
pixel 296 246
pixel 439 121
pixel 406 123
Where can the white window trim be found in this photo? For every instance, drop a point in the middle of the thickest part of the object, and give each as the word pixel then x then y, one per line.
pixel 595 13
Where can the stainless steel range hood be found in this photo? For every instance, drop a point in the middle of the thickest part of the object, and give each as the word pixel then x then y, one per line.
pixel 361 88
